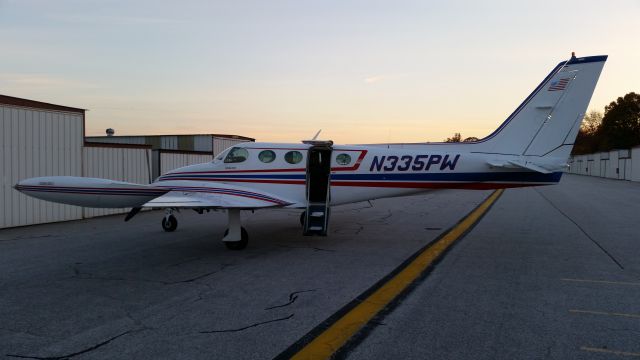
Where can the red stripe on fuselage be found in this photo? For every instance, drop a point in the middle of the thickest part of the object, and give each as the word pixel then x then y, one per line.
pixel 434 185
pixel 363 153
pixel 390 184
pixel 356 165
pixel 295 182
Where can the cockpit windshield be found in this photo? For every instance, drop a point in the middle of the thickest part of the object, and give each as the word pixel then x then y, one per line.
pixel 221 156
pixel 237 155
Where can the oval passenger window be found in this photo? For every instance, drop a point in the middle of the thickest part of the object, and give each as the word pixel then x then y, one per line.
pixel 343 159
pixel 267 156
pixel 293 157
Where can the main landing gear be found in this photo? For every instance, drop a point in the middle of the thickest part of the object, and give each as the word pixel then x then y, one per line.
pixel 235 237
pixel 169 222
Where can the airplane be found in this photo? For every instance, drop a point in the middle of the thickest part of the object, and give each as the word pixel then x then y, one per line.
pixel 530 148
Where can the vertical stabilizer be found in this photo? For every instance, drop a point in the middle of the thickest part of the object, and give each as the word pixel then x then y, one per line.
pixel 549 119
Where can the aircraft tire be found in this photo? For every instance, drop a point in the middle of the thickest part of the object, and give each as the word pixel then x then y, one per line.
pixel 302 216
pixel 169 223
pixel 238 245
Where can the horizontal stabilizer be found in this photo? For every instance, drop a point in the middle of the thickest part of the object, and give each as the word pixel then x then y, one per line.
pixel 515 164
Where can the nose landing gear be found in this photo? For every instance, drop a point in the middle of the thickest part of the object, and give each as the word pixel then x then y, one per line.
pixel 235 237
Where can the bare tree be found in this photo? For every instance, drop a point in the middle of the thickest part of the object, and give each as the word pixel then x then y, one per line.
pixel 591 122
pixel 455 138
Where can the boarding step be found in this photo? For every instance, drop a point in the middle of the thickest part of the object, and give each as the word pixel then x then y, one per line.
pixel 316 220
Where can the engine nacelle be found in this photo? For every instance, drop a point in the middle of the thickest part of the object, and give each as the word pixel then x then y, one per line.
pixel 89 192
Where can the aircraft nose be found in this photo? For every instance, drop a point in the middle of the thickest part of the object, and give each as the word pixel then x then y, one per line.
pixel 24 182
pixel 18 185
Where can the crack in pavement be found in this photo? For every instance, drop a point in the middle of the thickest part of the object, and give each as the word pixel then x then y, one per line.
pixel 314 248
pixel 370 205
pixel 28 237
pixel 581 229
pixel 346 230
pixel 246 327
pixel 292 298
pixel 89 276
pixel 185 261
pixel 69 356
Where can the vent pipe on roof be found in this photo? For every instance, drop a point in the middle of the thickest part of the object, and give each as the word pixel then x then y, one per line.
pixel 110 132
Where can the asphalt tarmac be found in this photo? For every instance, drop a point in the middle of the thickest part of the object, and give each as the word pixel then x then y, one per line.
pixel 547 273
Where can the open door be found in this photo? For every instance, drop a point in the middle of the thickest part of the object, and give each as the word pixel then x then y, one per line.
pixel 318 188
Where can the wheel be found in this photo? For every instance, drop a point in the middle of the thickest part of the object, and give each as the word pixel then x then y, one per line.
pixel 302 216
pixel 238 245
pixel 169 223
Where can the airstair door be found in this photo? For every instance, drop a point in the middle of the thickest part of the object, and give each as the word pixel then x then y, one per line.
pixel 318 189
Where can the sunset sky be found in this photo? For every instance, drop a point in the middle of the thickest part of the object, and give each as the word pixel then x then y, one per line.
pixel 363 71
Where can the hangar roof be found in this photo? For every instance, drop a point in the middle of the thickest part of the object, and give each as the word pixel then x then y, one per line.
pixel 14 101
pixel 230 136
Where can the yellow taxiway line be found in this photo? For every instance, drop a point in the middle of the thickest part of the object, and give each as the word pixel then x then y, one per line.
pixel 338 334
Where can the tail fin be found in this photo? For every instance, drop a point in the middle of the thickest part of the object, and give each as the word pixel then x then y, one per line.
pixel 547 122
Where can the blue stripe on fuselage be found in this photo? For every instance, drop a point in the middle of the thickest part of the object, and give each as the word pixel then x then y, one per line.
pixel 467 177
pixel 470 177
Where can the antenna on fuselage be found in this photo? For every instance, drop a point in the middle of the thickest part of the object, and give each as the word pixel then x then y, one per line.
pixel 316 142
pixel 316 135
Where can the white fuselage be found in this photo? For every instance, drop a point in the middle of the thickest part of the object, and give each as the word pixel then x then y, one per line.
pixel 372 171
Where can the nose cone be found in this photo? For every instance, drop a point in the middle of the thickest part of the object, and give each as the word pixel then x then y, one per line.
pixel 30 184
pixel 19 185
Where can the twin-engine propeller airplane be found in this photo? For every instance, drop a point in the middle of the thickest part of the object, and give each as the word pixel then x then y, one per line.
pixel 530 148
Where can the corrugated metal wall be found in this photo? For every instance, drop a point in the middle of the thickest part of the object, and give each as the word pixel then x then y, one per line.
pixel 122 164
pixel 635 164
pixel 213 143
pixel 169 142
pixel 138 140
pixel 37 143
pixel 222 143
pixel 202 143
pixel 614 164
pixel 171 160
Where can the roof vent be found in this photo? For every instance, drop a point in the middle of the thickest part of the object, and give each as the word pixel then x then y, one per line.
pixel 110 132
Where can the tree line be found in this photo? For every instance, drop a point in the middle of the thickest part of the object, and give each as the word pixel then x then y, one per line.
pixel 617 128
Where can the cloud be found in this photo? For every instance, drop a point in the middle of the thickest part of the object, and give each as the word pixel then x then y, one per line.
pixel 373 79
pixel 39 81
pixel 378 78
pixel 112 20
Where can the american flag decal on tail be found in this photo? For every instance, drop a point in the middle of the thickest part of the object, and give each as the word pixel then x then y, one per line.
pixel 559 84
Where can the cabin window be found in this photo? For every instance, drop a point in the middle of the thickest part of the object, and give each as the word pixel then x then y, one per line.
pixel 237 155
pixel 267 156
pixel 293 157
pixel 343 159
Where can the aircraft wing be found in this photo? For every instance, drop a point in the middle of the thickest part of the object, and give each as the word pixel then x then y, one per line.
pixel 205 194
